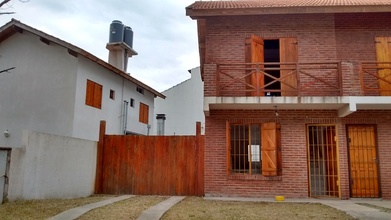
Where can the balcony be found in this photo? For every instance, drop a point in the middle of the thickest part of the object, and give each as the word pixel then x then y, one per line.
pixel 279 79
pixel 343 86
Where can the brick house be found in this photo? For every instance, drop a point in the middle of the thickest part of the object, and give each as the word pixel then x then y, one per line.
pixel 296 97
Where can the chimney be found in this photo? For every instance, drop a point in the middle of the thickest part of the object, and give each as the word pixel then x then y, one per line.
pixel 120 45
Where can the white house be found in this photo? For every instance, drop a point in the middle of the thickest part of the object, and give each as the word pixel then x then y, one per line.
pixel 53 96
pixel 52 86
pixel 183 106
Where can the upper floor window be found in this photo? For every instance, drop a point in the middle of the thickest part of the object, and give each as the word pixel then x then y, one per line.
pixel 94 94
pixel 144 113
pixel 132 102
pixel 112 94
pixel 140 90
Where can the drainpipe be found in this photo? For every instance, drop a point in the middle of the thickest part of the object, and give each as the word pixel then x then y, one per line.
pixel 125 116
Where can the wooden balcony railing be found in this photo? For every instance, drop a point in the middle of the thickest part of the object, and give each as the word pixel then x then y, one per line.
pixel 375 78
pixel 279 79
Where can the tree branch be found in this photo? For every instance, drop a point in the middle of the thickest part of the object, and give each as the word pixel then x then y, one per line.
pixel 6 13
pixel 6 70
pixel 4 2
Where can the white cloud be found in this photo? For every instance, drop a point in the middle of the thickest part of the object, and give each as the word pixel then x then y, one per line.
pixel 164 37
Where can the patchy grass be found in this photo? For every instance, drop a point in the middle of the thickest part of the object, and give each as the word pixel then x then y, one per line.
pixel 126 209
pixel 198 208
pixel 42 209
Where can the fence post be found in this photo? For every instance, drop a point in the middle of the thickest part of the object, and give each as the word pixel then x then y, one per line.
pixel 99 158
pixel 199 161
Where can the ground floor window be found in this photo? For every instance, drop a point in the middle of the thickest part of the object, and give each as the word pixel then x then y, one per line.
pixel 254 149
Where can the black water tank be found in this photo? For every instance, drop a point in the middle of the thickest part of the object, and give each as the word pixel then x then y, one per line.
pixel 116 32
pixel 128 36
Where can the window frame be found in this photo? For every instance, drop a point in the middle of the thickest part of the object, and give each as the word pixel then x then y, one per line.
pixel 270 149
pixel 112 94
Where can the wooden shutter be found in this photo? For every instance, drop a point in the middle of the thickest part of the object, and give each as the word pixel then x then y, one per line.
pixel 143 113
pixel 94 94
pixel 383 54
pixel 228 146
pixel 271 150
pixel 97 96
pixel 254 54
pixel 89 92
pixel 288 53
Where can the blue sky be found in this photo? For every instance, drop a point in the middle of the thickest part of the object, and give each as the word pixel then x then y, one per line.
pixel 164 37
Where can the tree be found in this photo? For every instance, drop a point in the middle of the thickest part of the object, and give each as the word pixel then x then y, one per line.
pixel 4 2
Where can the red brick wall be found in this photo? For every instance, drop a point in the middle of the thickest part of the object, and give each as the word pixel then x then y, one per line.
pixel 321 38
pixel 294 180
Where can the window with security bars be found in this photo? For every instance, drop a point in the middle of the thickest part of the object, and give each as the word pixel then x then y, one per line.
pixel 245 149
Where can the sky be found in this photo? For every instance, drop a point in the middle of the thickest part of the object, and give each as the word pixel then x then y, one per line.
pixel 164 37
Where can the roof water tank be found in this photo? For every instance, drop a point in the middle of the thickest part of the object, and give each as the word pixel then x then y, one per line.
pixel 128 36
pixel 116 32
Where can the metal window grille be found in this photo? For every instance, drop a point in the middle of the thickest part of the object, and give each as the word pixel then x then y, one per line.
pixel 322 161
pixel 246 149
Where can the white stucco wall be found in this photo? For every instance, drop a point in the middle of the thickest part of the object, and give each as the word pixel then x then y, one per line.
pixel 46 93
pixel 183 106
pixel 87 118
pixel 39 93
pixel 51 166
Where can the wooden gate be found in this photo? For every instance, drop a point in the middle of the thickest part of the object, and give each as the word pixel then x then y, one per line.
pixel 364 178
pixel 150 165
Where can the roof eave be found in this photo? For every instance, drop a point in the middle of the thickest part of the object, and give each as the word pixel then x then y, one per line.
pixel 202 13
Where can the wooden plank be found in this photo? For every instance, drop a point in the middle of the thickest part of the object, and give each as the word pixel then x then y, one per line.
pixel 269 148
pixel 254 53
pixel 99 158
pixel 97 99
pixel 383 54
pixel 288 53
pixel 90 93
pixel 146 165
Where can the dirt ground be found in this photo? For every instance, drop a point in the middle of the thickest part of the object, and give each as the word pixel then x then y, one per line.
pixel 198 208
pixel 189 208
pixel 42 209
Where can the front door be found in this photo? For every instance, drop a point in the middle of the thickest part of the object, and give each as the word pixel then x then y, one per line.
pixel 363 161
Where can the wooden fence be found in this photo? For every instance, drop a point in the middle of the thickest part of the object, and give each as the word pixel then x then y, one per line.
pixel 150 165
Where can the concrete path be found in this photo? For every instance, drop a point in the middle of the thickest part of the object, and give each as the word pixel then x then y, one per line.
pixel 79 211
pixel 350 207
pixel 157 211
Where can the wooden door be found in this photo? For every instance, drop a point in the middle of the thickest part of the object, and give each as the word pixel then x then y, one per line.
pixel 363 161
pixel 255 54
pixel 271 149
pixel 288 53
pixel 383 54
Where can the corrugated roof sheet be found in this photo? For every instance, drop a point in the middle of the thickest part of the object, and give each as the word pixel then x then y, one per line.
pixel 239 4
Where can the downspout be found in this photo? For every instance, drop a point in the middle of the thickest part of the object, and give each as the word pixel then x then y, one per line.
pixel 125 121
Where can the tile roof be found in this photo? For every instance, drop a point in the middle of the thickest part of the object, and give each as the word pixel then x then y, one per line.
pixel 240 4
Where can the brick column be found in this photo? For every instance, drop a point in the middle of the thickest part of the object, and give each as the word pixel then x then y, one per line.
pixel 210 80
